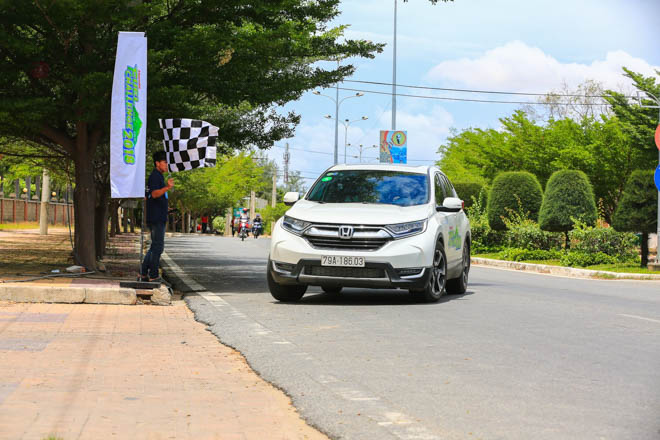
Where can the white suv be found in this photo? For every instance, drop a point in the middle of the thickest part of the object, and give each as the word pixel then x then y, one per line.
pixel 377 226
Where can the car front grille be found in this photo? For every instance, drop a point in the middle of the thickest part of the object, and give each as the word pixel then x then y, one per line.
pixel 364 238
pixel 345 272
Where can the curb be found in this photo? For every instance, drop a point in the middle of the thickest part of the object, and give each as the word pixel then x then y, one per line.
pixel 562 271
pixel 22 293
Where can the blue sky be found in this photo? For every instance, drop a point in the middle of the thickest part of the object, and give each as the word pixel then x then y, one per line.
pixel 507 45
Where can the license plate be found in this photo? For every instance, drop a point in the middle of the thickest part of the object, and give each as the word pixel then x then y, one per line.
pixel 334 260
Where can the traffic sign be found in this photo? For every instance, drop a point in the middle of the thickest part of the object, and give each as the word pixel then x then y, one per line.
pixel 657 177
pixel 657 137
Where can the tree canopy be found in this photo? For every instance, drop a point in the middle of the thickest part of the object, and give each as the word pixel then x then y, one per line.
pixel 230 62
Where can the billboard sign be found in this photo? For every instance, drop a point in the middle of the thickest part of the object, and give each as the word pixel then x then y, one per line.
pixel 393 146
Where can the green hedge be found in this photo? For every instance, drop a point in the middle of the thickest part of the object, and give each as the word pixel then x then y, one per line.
pixel 529 235
pixel 592 240
pixel 584 259
pixel 518 254
pixel 468 192
pixel 513 191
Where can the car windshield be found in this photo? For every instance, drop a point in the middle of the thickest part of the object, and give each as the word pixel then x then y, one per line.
pixel 371 186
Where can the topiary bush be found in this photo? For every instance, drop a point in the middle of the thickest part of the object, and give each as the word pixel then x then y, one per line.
pixel 513 191
pixel 568 197
pixel 592 240
pixel 468 192
pixel 636 212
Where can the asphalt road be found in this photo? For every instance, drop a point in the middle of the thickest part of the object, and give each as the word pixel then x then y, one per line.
pixel 519 356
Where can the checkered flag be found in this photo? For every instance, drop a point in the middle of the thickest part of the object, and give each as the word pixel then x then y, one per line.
pixel 189 143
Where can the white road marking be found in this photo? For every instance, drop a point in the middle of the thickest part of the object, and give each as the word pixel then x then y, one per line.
pixel 640 317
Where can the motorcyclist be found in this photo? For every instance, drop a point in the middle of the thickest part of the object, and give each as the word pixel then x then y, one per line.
pixel 244 219
pixel 257 225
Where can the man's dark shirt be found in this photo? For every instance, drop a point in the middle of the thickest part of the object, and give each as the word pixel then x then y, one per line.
pixel 156 207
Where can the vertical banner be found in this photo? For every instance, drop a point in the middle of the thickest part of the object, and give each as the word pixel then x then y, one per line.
pixel 393 146
pixel 129 117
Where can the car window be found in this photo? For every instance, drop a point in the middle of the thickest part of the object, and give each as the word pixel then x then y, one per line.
pixel 371 186
pixel 449 188
pixel 439 190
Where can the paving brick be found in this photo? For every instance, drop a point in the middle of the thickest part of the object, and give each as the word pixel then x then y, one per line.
pixel 139 372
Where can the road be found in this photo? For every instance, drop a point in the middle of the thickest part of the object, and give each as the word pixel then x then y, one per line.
pixel 519 356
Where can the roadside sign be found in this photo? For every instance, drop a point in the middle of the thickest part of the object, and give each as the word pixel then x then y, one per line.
pixel 657 137
pixel 657 177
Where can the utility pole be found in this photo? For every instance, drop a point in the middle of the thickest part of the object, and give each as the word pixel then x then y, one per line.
pixel 394 73
pixel 287 156
pixel 657 105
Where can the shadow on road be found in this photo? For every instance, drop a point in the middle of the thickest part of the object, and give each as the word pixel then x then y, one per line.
pixel 368 297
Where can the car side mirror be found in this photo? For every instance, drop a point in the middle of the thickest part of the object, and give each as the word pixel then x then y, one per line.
pixel 290 198
pixel 450 204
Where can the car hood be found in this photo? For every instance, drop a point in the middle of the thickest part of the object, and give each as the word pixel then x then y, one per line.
pixel 357 213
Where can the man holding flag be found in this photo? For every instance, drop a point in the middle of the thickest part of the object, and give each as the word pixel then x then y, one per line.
pixel 156 195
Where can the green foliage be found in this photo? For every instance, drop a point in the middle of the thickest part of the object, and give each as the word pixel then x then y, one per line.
pixel 522 254
pixel 637 210
pixel 469 191
pixel 527 234
pixel 568 197
pixel 592 240
pixel 513 192
pixel 584 259
pixel 484 239
pixel 219 224
pixel 271 214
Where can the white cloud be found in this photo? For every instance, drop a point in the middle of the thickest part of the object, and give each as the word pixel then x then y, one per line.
pixel 518 67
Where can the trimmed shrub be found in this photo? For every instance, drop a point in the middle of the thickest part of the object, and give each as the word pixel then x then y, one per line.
pixel 468 192
pixel 219 224
pixel 568 197
pixel 529 235
pixel 513 191
pixel 636 212
pixel 584 259
pixel 518 254
pixel 592 240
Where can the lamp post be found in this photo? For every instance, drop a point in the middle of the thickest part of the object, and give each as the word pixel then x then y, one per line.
pixel 394 73
pixel 337 101
pixel 362 148
pixel 346 123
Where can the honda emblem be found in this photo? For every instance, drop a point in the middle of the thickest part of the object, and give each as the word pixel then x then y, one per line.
pixel 346 232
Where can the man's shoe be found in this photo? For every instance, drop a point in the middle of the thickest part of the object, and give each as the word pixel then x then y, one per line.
pixel 143 278
pixel 156 280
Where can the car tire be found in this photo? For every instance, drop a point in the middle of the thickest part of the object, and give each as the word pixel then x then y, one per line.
pixel 436 285
pixel 458 286
pixel 284 293
pixel 331 290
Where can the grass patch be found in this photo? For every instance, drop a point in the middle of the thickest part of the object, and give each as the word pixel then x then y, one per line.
pixel 11 226
pixel 618 267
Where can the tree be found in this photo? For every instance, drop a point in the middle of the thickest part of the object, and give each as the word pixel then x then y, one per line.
pixel 513 192
pixel 638 208
pixel 227 61
pixel 568 198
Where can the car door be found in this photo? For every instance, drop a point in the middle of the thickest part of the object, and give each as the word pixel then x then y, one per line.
pixel 449 221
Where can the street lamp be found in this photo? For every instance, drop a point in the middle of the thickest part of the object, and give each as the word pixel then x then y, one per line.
pixel 362 147
pixel 346 123
pixel 337 101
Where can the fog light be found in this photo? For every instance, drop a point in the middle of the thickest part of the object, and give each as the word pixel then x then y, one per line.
pixel 409 271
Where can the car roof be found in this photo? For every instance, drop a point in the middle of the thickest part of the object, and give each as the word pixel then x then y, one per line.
pixel 422 169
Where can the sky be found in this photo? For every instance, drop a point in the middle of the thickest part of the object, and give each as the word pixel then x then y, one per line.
pixel 530 46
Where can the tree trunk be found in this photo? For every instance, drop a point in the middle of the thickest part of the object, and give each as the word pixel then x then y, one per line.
pixel 114 218
pixel 567 244
pixel 84 205
pixel 645 249
pixel 101 220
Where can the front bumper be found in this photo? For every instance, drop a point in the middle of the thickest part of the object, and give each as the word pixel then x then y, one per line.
pixel 373 275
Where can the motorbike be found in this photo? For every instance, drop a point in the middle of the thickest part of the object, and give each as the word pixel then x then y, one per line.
pixel 257 229
pixel 243 229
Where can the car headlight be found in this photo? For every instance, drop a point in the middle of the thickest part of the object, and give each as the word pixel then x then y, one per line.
pixel 401 230
pixel 294 225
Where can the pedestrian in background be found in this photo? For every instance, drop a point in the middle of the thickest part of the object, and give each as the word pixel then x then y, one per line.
pixel 156 195
pixel 205 221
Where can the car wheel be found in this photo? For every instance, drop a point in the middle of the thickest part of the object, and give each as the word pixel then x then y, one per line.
pixel 459 285
pixel 332 290
pixel 435 287
pixel 284 293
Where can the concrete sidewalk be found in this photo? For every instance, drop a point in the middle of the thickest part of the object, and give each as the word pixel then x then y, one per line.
pixel 140 372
